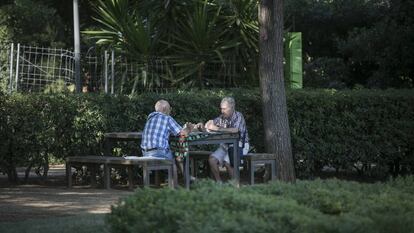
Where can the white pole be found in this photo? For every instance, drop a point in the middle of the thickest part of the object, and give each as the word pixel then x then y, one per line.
pixel 17 65
pixel 106 71
pixel 11 67
pixel 76 45
pixel 112 71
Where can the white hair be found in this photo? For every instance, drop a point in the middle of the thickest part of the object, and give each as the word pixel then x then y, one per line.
pixel 230 101
pixel 162 106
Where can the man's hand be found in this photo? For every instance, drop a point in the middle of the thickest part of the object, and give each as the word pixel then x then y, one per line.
pixel 187 129
pixel 211 126
pixel 199 127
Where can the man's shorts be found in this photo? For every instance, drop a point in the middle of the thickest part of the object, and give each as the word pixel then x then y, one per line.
pixel 158 153
pixel 222 155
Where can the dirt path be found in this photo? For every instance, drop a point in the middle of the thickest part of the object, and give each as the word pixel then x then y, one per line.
pixel 39 201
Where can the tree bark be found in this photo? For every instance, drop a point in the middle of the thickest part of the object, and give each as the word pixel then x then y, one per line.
pixel 275 117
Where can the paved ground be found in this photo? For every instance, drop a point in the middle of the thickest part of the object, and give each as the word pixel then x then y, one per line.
pixel 33 200
pixel 39 199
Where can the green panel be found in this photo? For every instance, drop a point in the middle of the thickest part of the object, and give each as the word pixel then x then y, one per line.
pixel 293 59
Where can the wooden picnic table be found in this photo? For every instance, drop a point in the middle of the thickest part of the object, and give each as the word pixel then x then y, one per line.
pixel 207 138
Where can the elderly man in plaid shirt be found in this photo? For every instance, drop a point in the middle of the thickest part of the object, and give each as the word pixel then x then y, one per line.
pixel 158 128
pixel 229 121
pixel 160 125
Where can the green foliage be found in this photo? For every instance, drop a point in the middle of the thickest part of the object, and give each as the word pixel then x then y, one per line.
pixel 352 129
pixel 362 130
pixel 58 86
pixel 32 23
pixel 326 72
pixel 379 55
pixel 195 37
pixel 307 206
pixel 369 41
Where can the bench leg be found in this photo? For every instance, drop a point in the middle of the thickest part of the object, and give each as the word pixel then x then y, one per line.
pixel 130 178
pixel 107 176
pixel 170 177
pixel 69 174
pixel 252 167
pixel 157 178
pixel 193 165
pixel 145 174
pixel 273 164
pixel 93 169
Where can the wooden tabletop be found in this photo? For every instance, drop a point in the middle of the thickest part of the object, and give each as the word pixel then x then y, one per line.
pixel 138 135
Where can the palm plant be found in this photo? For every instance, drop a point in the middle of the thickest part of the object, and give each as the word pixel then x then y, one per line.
pixel 196 37
pixel 240 16
pixel 199 41
pixel 122 27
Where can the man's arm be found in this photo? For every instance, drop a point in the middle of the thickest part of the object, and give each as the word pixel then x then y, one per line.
pixel 211 126
pixel 177 130
pixel 186 130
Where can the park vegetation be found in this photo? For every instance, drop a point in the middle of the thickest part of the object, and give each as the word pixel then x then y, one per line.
pixel 365 132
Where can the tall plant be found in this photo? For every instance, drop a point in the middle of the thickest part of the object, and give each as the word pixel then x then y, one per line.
pixel 196 37
pixel 200 40
pixel 122 27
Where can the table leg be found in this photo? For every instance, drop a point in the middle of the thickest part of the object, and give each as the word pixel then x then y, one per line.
pixel 236 169
pixel 130 177
pixel 187 172
pixel 108 145
pixel 93 169
pixel 107 176
pixel 145 174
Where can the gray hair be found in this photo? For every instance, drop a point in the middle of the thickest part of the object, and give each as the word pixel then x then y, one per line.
pixel 162 106
pixel 230 101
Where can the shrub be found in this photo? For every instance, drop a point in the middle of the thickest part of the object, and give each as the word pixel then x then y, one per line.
pixel 307 206
pixel 369 131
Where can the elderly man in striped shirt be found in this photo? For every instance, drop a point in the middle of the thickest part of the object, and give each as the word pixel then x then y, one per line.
pixel 229 121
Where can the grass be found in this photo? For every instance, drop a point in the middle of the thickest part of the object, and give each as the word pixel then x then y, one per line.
pixel 81 223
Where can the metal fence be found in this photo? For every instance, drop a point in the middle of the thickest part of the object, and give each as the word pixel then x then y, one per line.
pixel 114 73
pixel 33 69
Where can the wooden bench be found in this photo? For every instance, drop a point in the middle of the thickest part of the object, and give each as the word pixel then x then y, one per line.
pixel 259 159
pixel 252 161
pixel 148 165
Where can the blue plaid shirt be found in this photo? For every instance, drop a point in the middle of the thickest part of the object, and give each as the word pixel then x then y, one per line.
pixel 235 121
pixel 157 131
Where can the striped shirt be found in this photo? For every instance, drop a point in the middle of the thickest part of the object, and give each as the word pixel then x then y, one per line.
pixel 157 131
pixel 235 121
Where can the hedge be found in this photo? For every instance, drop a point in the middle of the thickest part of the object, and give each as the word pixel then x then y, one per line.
pixel 307 206
pixel 369 131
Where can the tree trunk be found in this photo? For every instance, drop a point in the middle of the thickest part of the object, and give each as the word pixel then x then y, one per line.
pixel 275 118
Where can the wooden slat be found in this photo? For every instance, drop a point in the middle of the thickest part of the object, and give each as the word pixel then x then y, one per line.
pixel 115 160
pixel 259 156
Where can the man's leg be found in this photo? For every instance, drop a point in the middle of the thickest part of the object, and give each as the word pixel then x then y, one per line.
pixel 175 176
pixel 214 167
pixel 180 164
pixel 229 169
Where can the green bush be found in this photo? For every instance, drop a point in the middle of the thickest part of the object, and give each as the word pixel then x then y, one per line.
pixel 307 206
pixel 369 131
